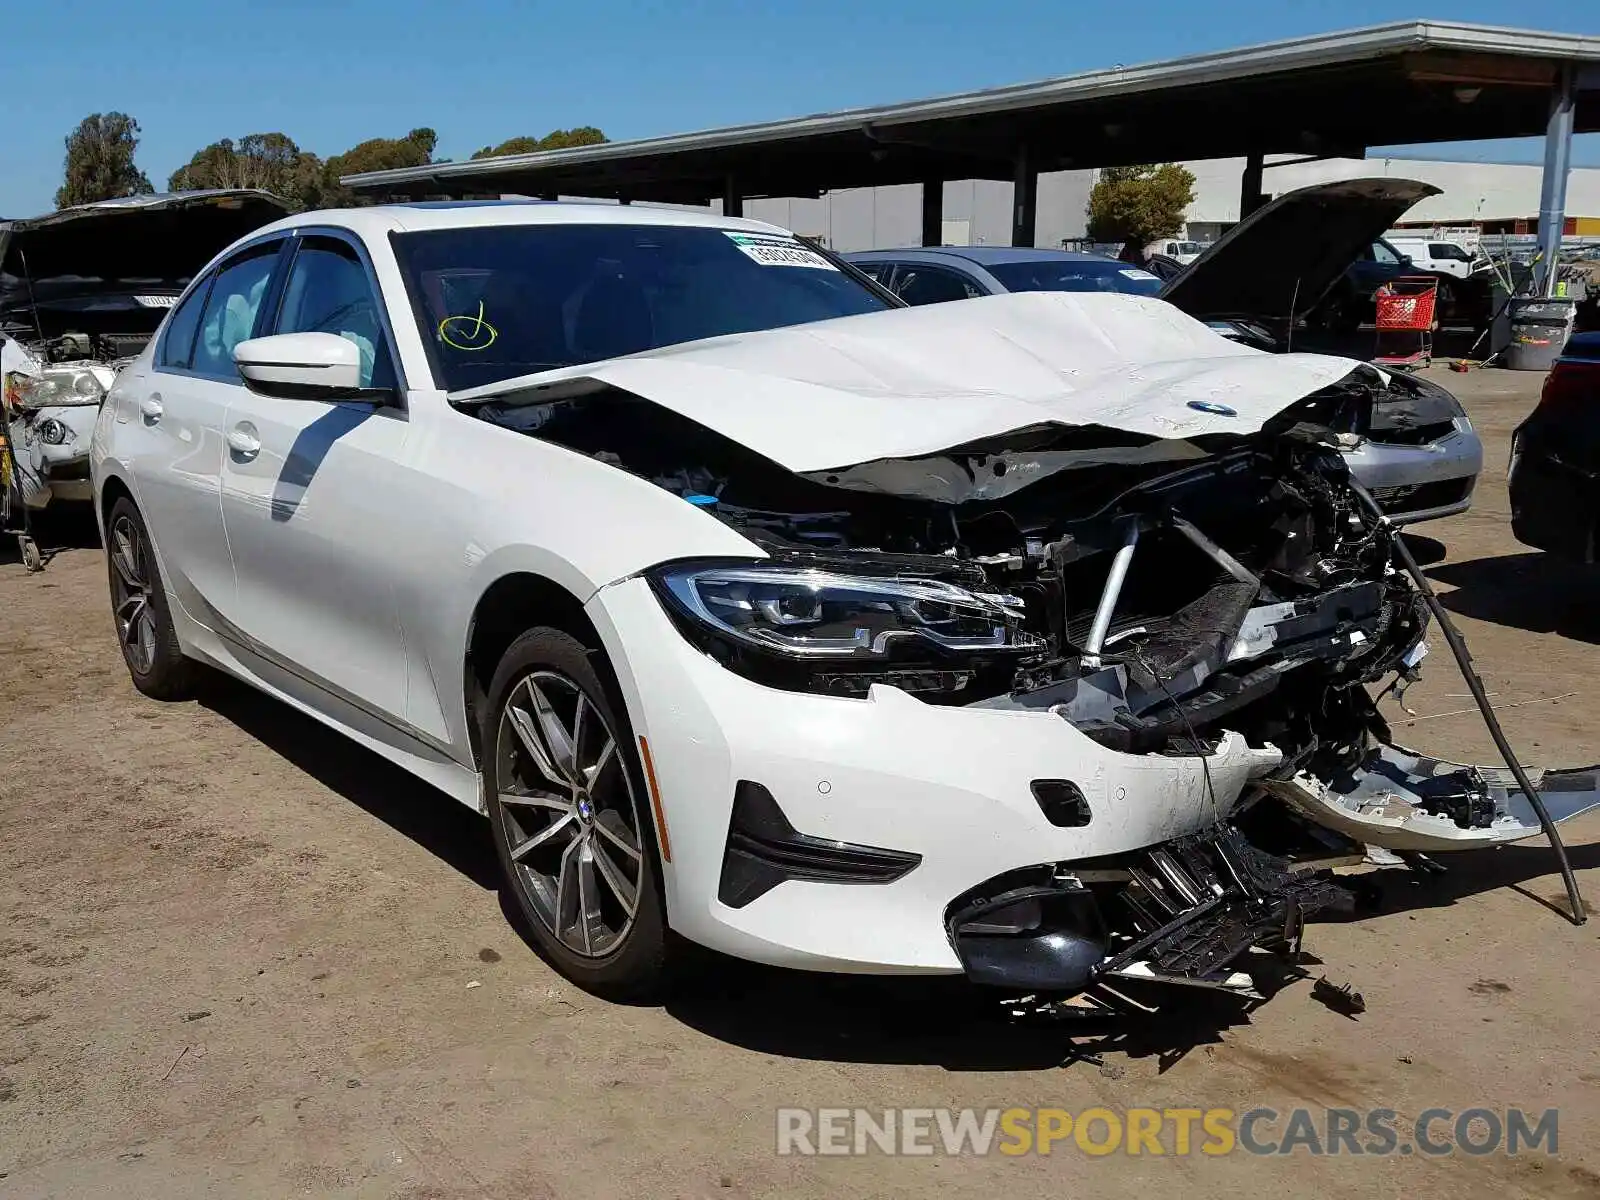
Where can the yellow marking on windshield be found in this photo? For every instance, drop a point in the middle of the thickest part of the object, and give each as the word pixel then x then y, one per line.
pixel 466 332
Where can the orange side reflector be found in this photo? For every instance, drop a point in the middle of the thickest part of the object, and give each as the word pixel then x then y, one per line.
pixel 655 799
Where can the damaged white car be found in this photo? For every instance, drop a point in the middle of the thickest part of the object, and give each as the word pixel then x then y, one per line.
pixel 1013 638
pixel 81 292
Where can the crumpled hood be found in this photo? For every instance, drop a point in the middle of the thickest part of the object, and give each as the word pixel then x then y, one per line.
pixel 914 381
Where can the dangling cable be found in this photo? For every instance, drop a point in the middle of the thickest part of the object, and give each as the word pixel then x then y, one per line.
pixel 1475 685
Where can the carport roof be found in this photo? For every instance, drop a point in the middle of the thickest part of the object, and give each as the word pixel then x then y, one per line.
pixel 1330 94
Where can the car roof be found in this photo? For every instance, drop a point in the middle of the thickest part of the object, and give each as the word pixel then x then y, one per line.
pixel 382 219
pixel 983 256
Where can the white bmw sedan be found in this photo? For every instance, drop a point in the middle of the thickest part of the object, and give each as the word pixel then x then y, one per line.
pixel 750 605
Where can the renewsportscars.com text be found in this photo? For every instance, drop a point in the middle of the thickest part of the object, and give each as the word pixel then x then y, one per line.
pixel 1378 1132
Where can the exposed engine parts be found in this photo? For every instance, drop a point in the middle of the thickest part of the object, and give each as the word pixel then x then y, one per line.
pixel 1154 588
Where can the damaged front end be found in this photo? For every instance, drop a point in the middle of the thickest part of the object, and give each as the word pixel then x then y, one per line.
pixel 1171 598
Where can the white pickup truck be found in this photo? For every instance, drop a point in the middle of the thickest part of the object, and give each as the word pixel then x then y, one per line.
pixel 1435 254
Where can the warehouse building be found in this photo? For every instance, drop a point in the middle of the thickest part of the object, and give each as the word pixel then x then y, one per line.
pixel 1495 197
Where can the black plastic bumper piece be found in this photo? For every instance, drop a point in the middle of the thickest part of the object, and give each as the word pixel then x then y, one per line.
pixel 764 850
pixel 1187 909
pixel 1035 938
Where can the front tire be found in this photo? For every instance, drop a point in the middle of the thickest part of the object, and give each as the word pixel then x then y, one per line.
pixel 145 630
pixel 570 814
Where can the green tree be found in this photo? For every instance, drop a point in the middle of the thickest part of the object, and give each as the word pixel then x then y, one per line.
pixel 99 163
pixel 1139 204
pixel 556 139
pixel 270 161
pixel 374 154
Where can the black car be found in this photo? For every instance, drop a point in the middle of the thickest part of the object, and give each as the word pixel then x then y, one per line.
pixel 1555 458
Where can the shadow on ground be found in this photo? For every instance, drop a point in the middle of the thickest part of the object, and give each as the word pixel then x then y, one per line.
pixel 422 813
pixel 938 1021
pixel 71 527
pixel 1425 550
pixel 1398 890
pixel 1533 591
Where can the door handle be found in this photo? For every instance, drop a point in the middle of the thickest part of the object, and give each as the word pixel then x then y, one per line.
pixel 150 407
pixel 243 442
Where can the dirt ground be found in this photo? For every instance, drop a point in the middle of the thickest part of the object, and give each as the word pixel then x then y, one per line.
pixel 239 956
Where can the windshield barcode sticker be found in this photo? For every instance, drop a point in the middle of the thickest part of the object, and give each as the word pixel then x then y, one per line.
pixel 771 251
pixel 156 301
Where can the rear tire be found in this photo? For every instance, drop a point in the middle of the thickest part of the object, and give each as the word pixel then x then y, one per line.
pixel 145 630
pixel 571 818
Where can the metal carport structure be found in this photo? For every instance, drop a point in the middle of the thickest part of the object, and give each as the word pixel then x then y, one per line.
pixel 1328 95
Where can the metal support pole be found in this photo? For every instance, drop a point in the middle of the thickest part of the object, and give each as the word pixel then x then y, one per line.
pixel 1553 187
pixel 933 212
pixel 732 201
pixel 1250 195
pixel 1025 198
pixel 1108 597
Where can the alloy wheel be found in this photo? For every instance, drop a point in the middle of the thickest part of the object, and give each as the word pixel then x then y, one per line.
pixel 571 822
pixel 131 580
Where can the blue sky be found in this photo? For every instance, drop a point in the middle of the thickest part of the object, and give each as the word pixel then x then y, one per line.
pixel 330 73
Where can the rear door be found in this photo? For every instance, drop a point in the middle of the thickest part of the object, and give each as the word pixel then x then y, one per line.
pixel 309 498
pixel 177 407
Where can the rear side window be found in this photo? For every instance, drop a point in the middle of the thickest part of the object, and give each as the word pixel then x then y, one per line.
pixel 231 310
pixel 919 283
pixel 177 343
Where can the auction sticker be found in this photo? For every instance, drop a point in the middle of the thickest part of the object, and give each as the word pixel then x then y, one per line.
pixel 771 250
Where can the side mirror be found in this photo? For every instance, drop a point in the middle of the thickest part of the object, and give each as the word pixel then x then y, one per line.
pixel 305 366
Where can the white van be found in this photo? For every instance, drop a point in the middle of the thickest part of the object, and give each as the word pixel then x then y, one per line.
pixel 1182 251
pixel 1434 254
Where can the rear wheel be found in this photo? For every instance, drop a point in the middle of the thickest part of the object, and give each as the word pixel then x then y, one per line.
pixel 571 821
pixel 144 621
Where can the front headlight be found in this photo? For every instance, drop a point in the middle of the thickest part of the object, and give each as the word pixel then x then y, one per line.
pixel 60 386
pixel 52 432
pixel 840 633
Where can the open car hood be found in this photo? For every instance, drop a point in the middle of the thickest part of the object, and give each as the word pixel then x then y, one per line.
pixel 109 253
pixel 1283 258
pixel 913 381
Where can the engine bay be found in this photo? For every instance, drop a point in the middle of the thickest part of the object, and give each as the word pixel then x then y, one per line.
pixel 1159 590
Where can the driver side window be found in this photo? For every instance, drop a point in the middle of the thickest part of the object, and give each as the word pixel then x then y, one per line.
pixel 329 291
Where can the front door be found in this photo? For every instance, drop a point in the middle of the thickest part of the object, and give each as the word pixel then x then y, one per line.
pixel 308 501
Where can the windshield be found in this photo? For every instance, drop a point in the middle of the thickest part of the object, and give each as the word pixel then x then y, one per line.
pixel 1074 275
pixel 495 302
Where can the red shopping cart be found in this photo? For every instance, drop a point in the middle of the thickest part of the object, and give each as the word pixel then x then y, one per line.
pixel 1406 306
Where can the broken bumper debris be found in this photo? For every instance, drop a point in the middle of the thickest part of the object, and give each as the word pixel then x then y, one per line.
pixel 1183 912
